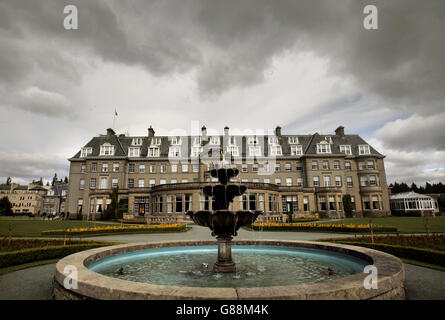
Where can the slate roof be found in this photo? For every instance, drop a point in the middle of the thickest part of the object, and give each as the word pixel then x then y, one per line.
pixel 308 142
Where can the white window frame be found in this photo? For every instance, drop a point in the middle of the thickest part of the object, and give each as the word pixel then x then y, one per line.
pixel 296 150
pixel 276 150
pixel 214 141
pixel 107 149
pixel 155 141
pixel 255 151
pixel 85 151
pixel 364 149
pixel 346 149
pixel 174 151
pixel 136 142
pixel 175 141
pixel 134 151
pixel 293 140
pixel 323 147
pixel 153 151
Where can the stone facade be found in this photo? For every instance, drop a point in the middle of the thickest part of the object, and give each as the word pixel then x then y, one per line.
pixel 160 177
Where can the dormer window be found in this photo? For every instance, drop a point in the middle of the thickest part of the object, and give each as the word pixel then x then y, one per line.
pixel 106 149
pixel 328 139
pixel 364 149
pixel 276 151
pixel 136 142
pixel 253 141
pixel 323 147
pixel 134 151
pixel 196 141
pixel 85 152
pixel 175 141
pixel 254 151
pixel 155 141
pixel 346 149
pixel 195 151
pixel 174 152
pixel 273 140
pixel 293 140
pixel 214 141
pixel 296 150
pixel 153 152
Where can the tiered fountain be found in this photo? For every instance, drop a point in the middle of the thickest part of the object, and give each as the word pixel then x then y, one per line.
pixel 224 223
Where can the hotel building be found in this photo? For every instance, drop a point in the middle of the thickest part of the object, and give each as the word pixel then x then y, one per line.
pixel 160 177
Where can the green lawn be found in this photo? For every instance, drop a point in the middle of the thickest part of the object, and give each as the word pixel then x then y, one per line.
pixel 31 227
pixel 403 224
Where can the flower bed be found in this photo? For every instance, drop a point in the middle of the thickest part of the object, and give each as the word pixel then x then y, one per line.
pixel 117 229
pixel 23 251
pixel 429 249
pixel 433 242
pixel 349 228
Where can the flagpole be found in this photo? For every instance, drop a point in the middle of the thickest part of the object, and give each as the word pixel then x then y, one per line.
pixel 114 117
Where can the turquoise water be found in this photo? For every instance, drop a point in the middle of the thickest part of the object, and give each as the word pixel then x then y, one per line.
pixel 257 266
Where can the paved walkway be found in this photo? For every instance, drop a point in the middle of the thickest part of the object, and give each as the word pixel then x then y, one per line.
pixel 36 283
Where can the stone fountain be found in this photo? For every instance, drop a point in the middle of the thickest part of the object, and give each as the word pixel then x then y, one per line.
pixel 224 223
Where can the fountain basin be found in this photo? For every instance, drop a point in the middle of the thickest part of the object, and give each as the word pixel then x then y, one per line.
pixel 92 285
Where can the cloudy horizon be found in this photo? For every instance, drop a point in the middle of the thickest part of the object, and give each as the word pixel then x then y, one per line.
pixel 308 66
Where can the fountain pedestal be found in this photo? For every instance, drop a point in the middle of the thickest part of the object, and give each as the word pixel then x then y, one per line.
pixel 224 264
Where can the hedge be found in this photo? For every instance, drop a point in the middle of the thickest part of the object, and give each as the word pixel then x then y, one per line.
pixel 12 258
pixel 118 229
pixel 406 214
pixel 424 255
pixel 319 227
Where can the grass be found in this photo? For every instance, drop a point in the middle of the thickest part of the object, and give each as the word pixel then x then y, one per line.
pixel 403 224
pixel 32 227
pixel 423 264
pixel 26 265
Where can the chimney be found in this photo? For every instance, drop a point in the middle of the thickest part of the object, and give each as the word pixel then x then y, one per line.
pixel 110 132
pixel 204 131
pixel 151 132
pixel 226 130
pixel 340 131
pixel 278 131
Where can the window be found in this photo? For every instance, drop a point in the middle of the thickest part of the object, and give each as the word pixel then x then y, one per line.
pixel 174 168
pixel 94 167
pixel 244 168
pixel 252 140
pixel 363 181
pixel 187 202
pixel 155 141
pixel 338 181
pixel 130 183
pixel 184 180
pixel 299 166
pixel 256 180
pixel 375 203
pixel 255 151
pixel 185 168
pixel 153 152
pixel 278 181
pixel 348 165
pixel 366 203
pixel 255 167
pixel 163 168
pixel 142 168
pixel 252 201
pixel 175 141
pixel 152 168
pixel 93 183
pixel 277 167
pixel 288 181
pixel 82 184
pixel 178 205
pixel 364 149
pixel 296 150
pixel 116 167
pixel 169 203
pixel 141 183
pixel 196 141
pixel 276 151
pixel 106 149
pixel 371 165
pixel 195 168
pixel 305 203
pixel 332 203
pixel 114 183
pixel 314 165
pixel 85 152
pixel 323 147
pixel 346 149
pixel 196 151
pixel 288 167
pixel 349 182
pixel 362 165
pixel 152 182
pixel 173 180
pixel 327 181
pixel 336 164
pixel 300 182
pixel 293 140
pixel 134 151
pixel 162 181
pixel 104 167
pixel 131 168
pixel 266 180
pixel 325 165
pixel 273 140
pixel 372 180
pixel 316 181
pixel 174 151
pixel 233 150
pixel 136 142
pixel 214 141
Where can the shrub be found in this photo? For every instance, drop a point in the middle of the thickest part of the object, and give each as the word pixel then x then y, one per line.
pixel 350 228
pixel 117 229
pixel 347 205
pixel 406 214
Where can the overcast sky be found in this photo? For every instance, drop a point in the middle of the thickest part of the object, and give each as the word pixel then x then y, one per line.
pixel 308 66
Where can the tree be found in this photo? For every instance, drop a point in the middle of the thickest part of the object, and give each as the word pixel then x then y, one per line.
pixel 112 212
pixel 65 180
pixel 5 207
pixel 347 205
pixel 54 179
